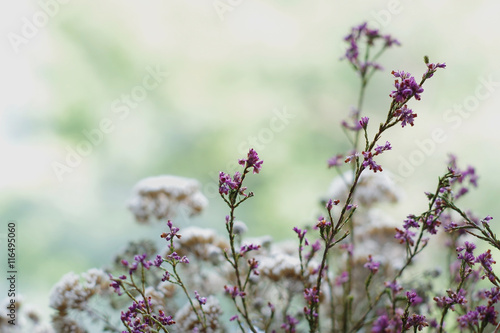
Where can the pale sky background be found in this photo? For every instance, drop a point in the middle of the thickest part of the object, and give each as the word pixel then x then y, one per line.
pixel 228 73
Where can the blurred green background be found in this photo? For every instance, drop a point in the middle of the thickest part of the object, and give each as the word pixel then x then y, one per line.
pixel 228 74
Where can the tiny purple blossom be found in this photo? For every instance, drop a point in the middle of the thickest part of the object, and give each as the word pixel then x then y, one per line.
pixel 406 87
pixel 380 149
pixel 290 324
pixel 373 266
pixel 405 115
pixel 252 161
pixel 417 321
pixel 335 161
pixel 201 300
pixel 369 162
pixel 234 291
pixel 364 122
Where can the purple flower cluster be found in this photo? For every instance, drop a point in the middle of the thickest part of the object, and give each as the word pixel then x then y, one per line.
pixel 169 236
pixel 137 318
pixel 368 161
pixel 252 161
pixel 226 183
pixel 385 324
pixel 201 300
pixel 247 248
pixel 452 299
pixel 234 292
pixel 461 176
pixel 371 265
pixel 369 36
pixel 311 295
pixel 431 69
pixel 406 87
pixel 290 325
pixel 336 160
pixel 405 115
pixel 417 321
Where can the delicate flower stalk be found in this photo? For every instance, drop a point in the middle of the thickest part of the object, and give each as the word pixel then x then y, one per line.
pixel 232 191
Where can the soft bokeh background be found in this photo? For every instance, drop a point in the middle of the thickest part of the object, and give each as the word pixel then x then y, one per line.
pixel 228 75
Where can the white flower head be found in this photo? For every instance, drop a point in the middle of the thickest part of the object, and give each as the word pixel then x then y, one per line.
pixel 162 197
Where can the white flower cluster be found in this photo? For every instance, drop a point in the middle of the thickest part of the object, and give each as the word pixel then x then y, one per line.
pixel 162 197
pixel 372 188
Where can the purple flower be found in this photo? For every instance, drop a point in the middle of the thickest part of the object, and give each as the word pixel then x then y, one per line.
pixel 413 298
pixel 406 87
pixel 364 122
pixel 452 299
pixel 342 278
pixel 372 265
pixel 468 255
pixel 380 325
pixel 380 149
pixel 335 161
pixel 233 318
pixel 487 219
pixel 247 248
pixel 405 236
pixel 431 224
pixel 158 261
pixel 493 295
pixel 355 127
pixel 470 319
pixel 234 291
pixel 252 161
pixel 201 300
pixel 405 115
pixel 173 232
pixel 431 69
pixel 166 276
pixel 311 295
pixel 369 162
pixel 323 223
pixel 226 183
pixel 290 324
pixel 393 286
pixel 487 314
pixel 332 203
pixel 301 233
pixel 417 321
pixel 175 258
pixel 486 261
pixel 410 222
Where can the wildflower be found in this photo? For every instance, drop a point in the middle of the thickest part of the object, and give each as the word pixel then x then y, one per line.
pixel 486 261
pixel 432 68
pixel 335 161
pixel 201 300
pixel 252 161
pixel 162 197
pixel 417 321
pixel 342 278
pixel 311 295
pixel 405 115
pixel 467 256
pixel 413 298
pixel 372 265
pixel 234 291
pixel 406 87
pixel 290 325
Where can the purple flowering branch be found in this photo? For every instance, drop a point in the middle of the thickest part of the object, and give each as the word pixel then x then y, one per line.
pixel 406 89
pixel 232 191
pixel 140 316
